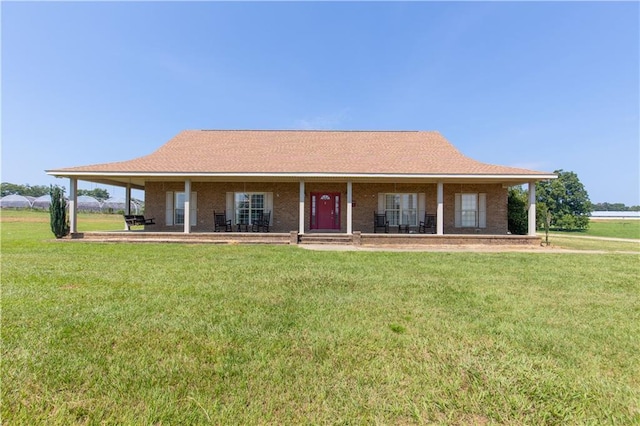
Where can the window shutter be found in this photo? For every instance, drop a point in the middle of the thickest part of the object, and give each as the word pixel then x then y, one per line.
pixel 268 205
pixel 193 209
pixel 482 210
pixel 169 209
pixel 381 208
pixel 422 206
pixel 458 208
pixel 230 208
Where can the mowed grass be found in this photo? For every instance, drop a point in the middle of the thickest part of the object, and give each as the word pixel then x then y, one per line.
pixel 614 228
pixel 195 334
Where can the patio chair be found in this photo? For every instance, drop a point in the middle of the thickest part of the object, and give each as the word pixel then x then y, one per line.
pixel 428 225
pixel 380 221
pixel 220 221
pixel 261 223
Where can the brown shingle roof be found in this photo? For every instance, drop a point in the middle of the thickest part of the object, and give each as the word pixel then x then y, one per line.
pixel 303 152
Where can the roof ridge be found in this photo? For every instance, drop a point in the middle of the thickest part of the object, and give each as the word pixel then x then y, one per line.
pixel 319 130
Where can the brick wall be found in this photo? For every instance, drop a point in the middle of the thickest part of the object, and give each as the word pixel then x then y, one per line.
pixel 212 196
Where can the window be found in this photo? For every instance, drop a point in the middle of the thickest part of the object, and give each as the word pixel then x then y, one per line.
pixel 471 210
pixel 175 202
pixel 401 209
pixel 248 206
pixel 244 207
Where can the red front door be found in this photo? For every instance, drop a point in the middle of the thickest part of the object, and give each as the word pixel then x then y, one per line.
pixel 325 210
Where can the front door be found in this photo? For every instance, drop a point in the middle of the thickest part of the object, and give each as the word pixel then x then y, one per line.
pixel 325 210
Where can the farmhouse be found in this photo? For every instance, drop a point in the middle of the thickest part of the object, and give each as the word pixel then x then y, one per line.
pixel 310 182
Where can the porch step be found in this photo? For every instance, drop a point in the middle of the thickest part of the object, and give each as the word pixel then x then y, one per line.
pixel 326 239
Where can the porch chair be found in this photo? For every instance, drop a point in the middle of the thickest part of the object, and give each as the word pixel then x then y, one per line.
pixel 428 225
pixel 262 222
pixel 380 221
pixel 220 221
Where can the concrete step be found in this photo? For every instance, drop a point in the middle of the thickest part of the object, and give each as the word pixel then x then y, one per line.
pixel 325 239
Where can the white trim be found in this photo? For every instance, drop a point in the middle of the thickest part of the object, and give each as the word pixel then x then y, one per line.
pixel 349 208
pixel 440 213
pixel 230 207
pixel 532 209
pixel 301 209
pixel 73 205
pixel 307 175
pixel 187 206
pixel 127 204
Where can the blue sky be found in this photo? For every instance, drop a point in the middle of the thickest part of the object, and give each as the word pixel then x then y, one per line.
pixel 542 85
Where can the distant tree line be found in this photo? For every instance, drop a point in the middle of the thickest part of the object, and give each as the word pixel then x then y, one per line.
pixel 40 190
pixel 25 190
pixel 615 207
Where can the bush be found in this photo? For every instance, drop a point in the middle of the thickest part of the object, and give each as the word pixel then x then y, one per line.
pixel 58 212
pixel 518 220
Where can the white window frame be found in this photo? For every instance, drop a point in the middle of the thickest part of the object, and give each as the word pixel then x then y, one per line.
pixel 233 210
pixel 404 213
pixel 171 212
pixel 473 212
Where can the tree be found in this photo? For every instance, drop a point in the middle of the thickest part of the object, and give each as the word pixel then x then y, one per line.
pixel 518 219
pixel 27 190
pixel 58 212
pixel 97 193
pixel 566 200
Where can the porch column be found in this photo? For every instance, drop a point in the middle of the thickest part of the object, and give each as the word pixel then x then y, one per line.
pixel 301 210
pixel 187 206
pixel 127 203
pixel 440 212
pixel 349 207
pixel 73 206
pixel 532 208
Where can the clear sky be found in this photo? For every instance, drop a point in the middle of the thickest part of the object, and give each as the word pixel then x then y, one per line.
pixel 542 85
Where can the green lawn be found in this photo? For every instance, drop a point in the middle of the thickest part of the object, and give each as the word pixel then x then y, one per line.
pixel 192 334
pixel 614 228
pixel 609 228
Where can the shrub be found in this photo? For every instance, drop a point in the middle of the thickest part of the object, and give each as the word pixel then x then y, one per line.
pixel 58 212
pixel 518 221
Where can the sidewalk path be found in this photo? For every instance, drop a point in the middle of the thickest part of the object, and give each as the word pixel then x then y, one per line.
pixel 589 237
pixel 457 248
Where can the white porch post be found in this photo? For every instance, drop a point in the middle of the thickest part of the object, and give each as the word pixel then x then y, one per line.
pixel 73 205
pixel 187 206
pixel 440 212
pixel 127 203
pixel 301 210
pixel 349 208
pixel 532 208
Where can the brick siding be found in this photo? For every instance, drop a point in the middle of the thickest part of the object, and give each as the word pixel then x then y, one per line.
pixel 212 196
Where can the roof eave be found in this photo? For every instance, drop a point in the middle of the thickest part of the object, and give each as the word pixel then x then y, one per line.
pixel 302 175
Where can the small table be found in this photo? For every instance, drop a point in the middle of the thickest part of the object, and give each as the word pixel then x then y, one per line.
pixel 403 228
pixel 242 226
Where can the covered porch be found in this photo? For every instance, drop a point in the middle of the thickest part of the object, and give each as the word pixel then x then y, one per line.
pixel 295 204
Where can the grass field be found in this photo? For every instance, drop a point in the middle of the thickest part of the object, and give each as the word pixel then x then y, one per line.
pixel 195 334
pixel 613 228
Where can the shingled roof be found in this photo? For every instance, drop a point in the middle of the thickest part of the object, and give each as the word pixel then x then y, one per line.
pixel 344 153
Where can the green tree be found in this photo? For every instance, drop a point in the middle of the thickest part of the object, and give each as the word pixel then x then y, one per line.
pixel 58 212
pixel 566 200
pixel 28 190
pixel 97 193
pixel 518 221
